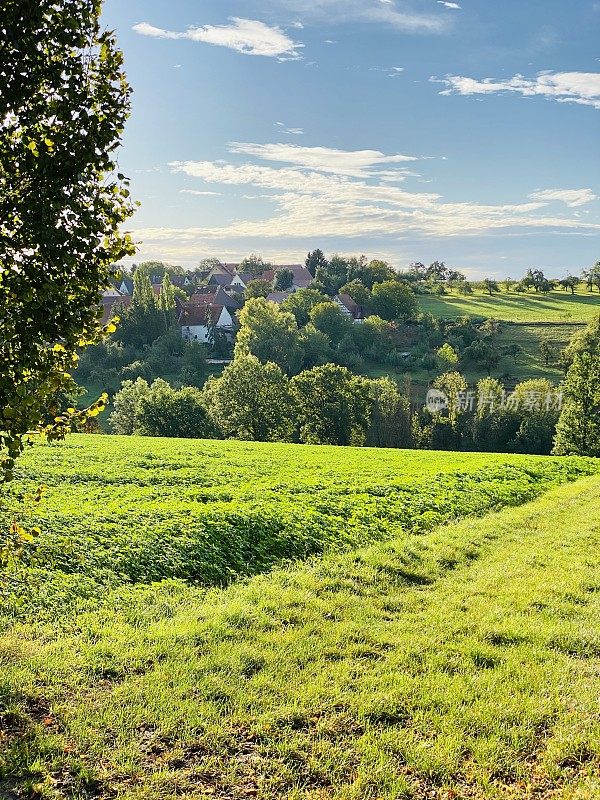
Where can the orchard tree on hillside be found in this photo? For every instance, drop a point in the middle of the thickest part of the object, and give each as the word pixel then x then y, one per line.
pixel 592 277
pixel 392 300
pixel 548 352
pixel 490 286
pixel 63 105
pixel 570 283
pixel 513 350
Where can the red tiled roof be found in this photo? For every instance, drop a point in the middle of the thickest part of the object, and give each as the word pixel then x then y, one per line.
pixel 213 294
pixel 111 305
pixel 200 315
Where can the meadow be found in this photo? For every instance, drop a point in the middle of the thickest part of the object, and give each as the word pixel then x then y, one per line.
pixel 435 634
pixel 137 510
pixel 556 306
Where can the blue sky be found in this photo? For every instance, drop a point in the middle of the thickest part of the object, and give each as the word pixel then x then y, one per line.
pixel 464 131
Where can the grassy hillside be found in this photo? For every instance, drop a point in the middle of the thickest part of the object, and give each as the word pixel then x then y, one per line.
pixel 529 363
pixel 458 664
pixel 557 306
pixel 138 510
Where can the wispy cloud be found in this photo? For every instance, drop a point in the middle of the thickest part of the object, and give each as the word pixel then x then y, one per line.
pixel 247 36
pixel 395 13
pixel 582 88
pixel 322 192
pixel 571 197
pixel 352 163
pixel 291 131
pixel 199 193
pixel 449 5
pixel 391 72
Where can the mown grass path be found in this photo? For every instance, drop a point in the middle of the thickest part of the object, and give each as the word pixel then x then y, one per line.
pixel 460 664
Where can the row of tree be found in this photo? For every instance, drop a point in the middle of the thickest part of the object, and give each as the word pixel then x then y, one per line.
pixel 258 402
pixel 254 400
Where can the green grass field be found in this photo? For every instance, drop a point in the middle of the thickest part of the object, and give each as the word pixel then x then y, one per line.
pixel 142 510
pixel 556 306
pixel 434 635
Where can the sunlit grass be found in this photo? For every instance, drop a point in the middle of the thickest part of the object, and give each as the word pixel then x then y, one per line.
pixel 556 306
pixel 463 663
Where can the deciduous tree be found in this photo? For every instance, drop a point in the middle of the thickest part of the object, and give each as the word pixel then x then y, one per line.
pixel 63 105
pixel 393 300
pixel 270 334
pixel 252 401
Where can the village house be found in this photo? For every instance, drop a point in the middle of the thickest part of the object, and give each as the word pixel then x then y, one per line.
pixel 349 307
pixel 199 322
pixel 113 302
pixel 207 310
pixel 278 297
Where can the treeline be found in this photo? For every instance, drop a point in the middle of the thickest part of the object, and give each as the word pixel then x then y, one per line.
pixel 327 404
pixel 258 402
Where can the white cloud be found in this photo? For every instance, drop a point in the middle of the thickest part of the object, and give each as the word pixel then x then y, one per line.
pixel 565 87
pixel 355 163
pixel 199 193
pixel 391 72
pixel 449 5
pixel 244 35
pixel 571 197
pixel 313 193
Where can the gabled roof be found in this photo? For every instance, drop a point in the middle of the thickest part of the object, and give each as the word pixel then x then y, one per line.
pixel 213 294
pixel 220 280
pixel 200 315
pixel 110 306
pixel 245 277
pixel 351 305
pixel 301 276
pixel 127 283
pixel 278 297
